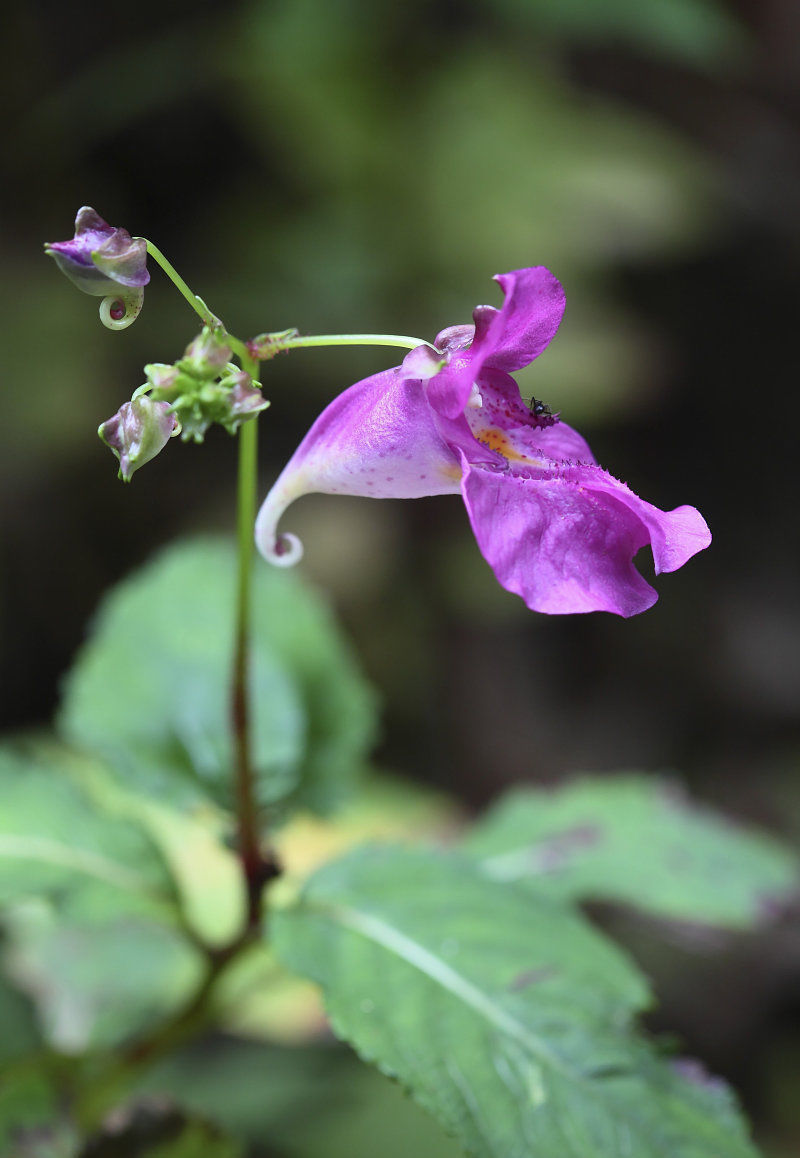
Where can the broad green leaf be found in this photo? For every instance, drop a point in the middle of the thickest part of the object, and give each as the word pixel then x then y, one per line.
pixel 98 985
pixel 196 846
pixel 504 1013
pixel 150 689
pixel 56 841
pixel 638 840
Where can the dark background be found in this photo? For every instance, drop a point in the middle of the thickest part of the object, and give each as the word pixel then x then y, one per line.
pixel 350 166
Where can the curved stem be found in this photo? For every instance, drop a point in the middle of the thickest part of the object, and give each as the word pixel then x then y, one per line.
pixel 197 304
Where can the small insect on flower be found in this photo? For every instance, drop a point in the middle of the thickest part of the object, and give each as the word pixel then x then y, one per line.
pixel 541 414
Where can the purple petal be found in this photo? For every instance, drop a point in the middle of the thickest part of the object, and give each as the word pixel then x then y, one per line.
pixel 527 322
pixel 422 363
pixel 449 391
pixel 91 231
pixel 123 259
pixel 504 339
pixel 564 539
pixel 100 257
pixel 377 439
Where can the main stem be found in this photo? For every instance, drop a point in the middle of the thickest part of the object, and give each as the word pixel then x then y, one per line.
pixel 257 867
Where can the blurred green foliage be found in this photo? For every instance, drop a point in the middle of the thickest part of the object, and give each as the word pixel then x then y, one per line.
pixel 638 841
pixel 150 690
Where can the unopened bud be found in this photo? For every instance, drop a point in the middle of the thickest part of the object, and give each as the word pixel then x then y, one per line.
pixel 206 356
pixel 266 346
pixel 100 258
pixel 138 432
pixel 243 400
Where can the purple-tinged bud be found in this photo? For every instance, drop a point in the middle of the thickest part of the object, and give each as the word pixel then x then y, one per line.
pixel 266 346
pixel 243 400
pixel 205 356
pixel 100 258
pixel 138 432
pixel 161 376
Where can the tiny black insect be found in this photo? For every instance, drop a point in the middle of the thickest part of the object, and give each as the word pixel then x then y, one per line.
pixel 541 413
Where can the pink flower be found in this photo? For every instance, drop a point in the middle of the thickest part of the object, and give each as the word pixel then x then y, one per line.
pixel 556 528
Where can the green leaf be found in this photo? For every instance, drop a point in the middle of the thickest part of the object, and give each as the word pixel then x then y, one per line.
pixel 56 841
pixel 504 1013
pixel 98 985
pixel 638 840
pixel 150 690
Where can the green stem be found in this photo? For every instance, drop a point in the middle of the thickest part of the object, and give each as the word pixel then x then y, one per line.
pixel 197 304
pixel 292 343
pixel 257 867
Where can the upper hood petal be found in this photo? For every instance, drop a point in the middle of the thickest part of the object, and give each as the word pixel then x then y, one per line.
pixel 505 339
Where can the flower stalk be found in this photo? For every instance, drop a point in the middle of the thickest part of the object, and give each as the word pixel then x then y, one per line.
pixel 290 340
pixel 258 866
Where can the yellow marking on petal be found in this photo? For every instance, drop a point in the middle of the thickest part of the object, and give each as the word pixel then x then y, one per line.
pixel 451 472
pixel 498 441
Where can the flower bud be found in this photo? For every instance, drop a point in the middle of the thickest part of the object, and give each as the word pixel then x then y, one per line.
pixel 163 378
pixel 243 400
pixel 100 259
pixel 266 346
pixel 205 356
pixel 138 432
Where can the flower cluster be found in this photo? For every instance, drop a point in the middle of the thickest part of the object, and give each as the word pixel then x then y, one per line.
pixel 186 397
pixel 556 528
pixel 205 387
